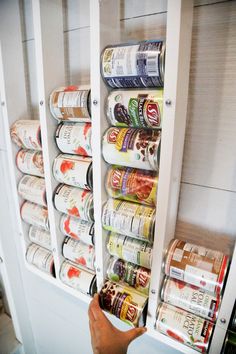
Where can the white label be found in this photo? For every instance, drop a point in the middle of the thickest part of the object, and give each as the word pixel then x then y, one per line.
pixel 30 162
pixel 40 258
pixel 35 215
pixel 33 188
pixel 26 134
pixel 201 278
pixel 79 253
pixel 40 237
pixel 78 229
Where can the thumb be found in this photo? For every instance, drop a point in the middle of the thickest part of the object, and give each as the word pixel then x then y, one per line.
pixel 134 333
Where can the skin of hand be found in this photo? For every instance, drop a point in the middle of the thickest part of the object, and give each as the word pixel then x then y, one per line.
pixel 105 338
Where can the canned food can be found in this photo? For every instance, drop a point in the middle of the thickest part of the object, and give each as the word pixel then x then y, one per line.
pixel 26 134
pixel 124 302
pixel 78 229
pixel 135 276
pixel 71 103
pixel 139 64
pixel 74 138
pixel 40 258
pixel 131 219
pixel 190 298
pixel 73 170
pixel 138 148
pixel 135 108
pixel 74 201
pixel 35 214
pixel 40 237
pixel 184 327
pixel 131 184
pixel 78 252
pixel 196 265
pixel 30 162
pixel 33 189
pixel 130 250
pixel 78 278
pixel 229 346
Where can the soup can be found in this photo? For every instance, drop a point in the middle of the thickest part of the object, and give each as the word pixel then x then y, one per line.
pixel 131 184
pixel 124 302
pixel 196 265
pixel 74 201
pixel 78 252
pixel 73 170
pixel 139 64
pixel 190 298
pixel 138 148
pixel 130 250
pixel 30 162
pixel 33 189
pixel 71 103
pixel 135 276
pixel 229 346
pixel 135 108
pixel 131 219
pixel 26 134
pixel 78 229
pixel 40 237
pixel 78 278
pixel 40 258
pixel 184 327
pixel 74 138
pixel 35 214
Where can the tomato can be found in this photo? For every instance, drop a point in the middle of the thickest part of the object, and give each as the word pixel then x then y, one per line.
pixel 73 170
pixel 130 249
pixel 30 162
pixel 74 201
pixel 131 219
pixel 135 108
pixel 78 229
pixel 139 64
pixel 40 237
pixel 184 327
pixel 40 258
pixel 229 346
pixel 74 138
pixel 196 265
pixel 35 214
pixel 71 103
pixel 33 189
pixel 138 148
pixel 26 134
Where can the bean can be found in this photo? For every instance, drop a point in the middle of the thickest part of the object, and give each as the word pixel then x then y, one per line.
pixel 73 170
pixel 229 346
pixel 35 214
pixel 33 189
pixel 74 201
pixel 74 138
pixel 30 162
pixel 138 148
pixel 40 237
pixel 71 103
pixel 196 265
pixel 131 184
pixel 26 134
pixel 40 258
pixel 139 64
pixel 184 327
pixel 135 108
pixel 132 219
pixel 130 249
pixel 78 229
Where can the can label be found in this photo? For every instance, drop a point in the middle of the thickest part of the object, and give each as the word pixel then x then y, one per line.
pixel 30 162
pixel 74 138
pixel 78 229
pixel 33 189
pixel 35 214
pixel 40 258
pixel 74 201
pixel 40 237
pixel 26 134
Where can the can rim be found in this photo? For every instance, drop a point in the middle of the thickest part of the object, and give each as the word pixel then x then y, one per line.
pixel 167 256
pixel 164 285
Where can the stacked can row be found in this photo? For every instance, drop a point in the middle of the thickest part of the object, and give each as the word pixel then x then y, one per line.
pixel 229 345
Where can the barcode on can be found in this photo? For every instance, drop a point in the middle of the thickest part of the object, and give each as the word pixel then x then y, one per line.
pixel 152 67
pixel 176 273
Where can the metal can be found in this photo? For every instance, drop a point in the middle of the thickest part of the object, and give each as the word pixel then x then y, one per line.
pixel 130 249
pixel 196 265
pixel 74 138
pixel 71 103
pixel 138 148
pixel 135 108
pixel 135 276
pixel 232 325
pixel 229 346
pixel 78 278
pixel 40 237
pixel 40 258
pixel 190 298
pixel 124 302
pixel 78 229
pixel 131 184
pixel 26 134
pixel 139 64
pixel 30 162
pixel 184 327
pixel 33 189
pixel 131 219
pixel 35 214
pixel 74 201
pixel 73 170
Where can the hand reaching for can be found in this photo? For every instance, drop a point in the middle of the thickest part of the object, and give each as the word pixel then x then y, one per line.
pixel 106 338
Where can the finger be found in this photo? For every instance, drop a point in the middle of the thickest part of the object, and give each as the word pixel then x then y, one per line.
pixel 134 333
pixel 91 315
pixel 95 309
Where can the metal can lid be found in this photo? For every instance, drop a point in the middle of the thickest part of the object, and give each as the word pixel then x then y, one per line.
pixel 162 62
pixel 166 254
pixel 93 286
pixel 164 284
pixel 90 176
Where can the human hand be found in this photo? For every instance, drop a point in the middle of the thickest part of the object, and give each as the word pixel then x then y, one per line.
pixel 105 338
